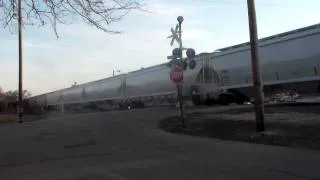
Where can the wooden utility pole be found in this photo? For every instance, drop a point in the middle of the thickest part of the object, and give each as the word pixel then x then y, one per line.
pixel 20 105
pixel 256 75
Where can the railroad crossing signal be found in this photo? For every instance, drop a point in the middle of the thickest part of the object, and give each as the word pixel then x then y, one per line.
pixel 191 53
pixel 175 35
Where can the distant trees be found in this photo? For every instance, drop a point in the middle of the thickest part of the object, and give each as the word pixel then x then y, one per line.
pixel 11 96
pixel 1 100
pixel 1 93
pixel 8 102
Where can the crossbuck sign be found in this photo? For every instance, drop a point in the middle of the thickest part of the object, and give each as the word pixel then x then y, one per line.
pixel 175 35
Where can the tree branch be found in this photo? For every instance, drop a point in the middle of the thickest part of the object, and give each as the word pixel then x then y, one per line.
pixel 98 13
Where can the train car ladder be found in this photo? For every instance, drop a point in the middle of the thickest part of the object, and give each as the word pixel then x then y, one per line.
pixel 210 79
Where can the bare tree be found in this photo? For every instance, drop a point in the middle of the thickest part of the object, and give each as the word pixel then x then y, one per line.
pixel 99 13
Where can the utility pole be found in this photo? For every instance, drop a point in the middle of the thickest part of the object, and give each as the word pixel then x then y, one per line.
pixel 255 65
pixel 20 106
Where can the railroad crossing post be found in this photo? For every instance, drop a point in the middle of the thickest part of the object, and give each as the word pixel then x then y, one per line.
pixel 258 86
pixel 179 86
pixel 177 54
pixel 178 65
pixel 176 75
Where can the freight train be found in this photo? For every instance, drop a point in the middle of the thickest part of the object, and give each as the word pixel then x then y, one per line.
pixel 288 61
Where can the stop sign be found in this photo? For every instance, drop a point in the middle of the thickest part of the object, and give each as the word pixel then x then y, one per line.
pixel 176 74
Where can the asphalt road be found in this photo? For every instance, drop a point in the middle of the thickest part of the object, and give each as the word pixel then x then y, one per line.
pixel 127 145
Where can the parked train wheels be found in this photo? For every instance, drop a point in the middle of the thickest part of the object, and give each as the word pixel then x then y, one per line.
pixel 196 100
pixel 224 100
pixel 239 97
pixel 240 101
pixel 131 105
pixel 137 104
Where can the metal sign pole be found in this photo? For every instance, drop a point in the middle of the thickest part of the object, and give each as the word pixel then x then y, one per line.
pixel 177 64
pixel 180 87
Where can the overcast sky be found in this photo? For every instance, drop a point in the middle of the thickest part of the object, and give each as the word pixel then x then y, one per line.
pixel 83 54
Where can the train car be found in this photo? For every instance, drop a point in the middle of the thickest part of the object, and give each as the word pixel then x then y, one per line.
pixel 288 61
pixel 102 90
pixel 131 88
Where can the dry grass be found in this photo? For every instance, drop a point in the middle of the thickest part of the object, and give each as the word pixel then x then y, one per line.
pixel 297 127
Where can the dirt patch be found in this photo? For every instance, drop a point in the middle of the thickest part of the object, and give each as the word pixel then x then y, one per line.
pixel 10 118
pixel 297 127
pixel 7 119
